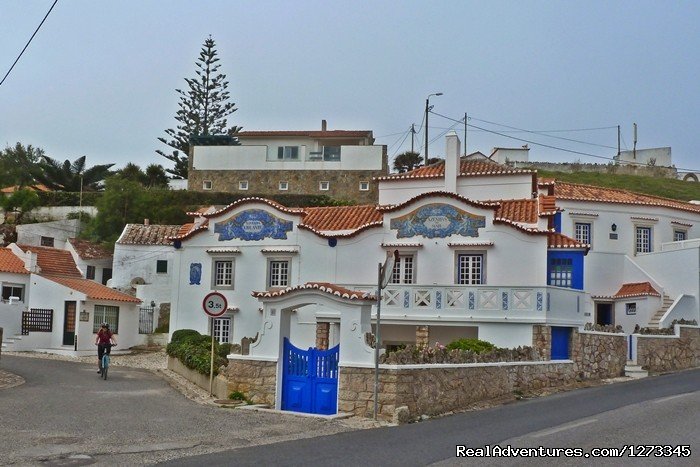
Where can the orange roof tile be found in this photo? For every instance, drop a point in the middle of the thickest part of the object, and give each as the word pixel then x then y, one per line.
pixel 636 289
pixel 139 234
pixel 12 189
pixel 189 230
pixel 467 168
pixel 11 263
pixel 517 210
pixel 309 134
pixel 557 240
pixel 444 194
pixel 89 250
pixel 53 261
pixel 326 287
pixel 92 289
pixel 547 205
pixel 577 192
pixel 341 217
pixel 242 201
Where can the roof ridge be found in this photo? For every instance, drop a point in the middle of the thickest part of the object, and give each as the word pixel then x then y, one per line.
pixel 622 190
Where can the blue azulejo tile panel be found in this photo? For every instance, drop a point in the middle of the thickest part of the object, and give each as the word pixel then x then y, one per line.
pixel 253 224
pixel 548 301
pixel 539 301
pixel 504 300
pixel 471 300
pixel 437 220
pixel 195 273
pixel 406 298
pixel 438 299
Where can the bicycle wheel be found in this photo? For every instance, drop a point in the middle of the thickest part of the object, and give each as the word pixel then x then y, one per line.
pixel 105 366
pixel 104 373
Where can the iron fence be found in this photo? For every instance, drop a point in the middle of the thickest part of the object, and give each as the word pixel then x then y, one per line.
pixel 37 320
pixel 146 320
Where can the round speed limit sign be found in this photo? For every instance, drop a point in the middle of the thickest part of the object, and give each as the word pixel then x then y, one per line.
pixel 215 304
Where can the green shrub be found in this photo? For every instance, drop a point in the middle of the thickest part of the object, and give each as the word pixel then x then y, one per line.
pixel 194 351
pixel 224 350
pixel 237 396
pixel 475 345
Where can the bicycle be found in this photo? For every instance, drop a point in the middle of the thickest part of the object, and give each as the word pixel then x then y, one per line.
pixel 104 365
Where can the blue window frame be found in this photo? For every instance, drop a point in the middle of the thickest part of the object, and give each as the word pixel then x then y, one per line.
pixel 565 269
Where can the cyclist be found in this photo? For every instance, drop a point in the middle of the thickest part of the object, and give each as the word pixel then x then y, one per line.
pixel 104 342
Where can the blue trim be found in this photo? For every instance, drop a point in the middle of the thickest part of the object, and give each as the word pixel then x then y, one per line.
pixel 576 258
pixel 557 222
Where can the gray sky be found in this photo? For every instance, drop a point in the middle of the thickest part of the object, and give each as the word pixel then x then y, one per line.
pixel 99 78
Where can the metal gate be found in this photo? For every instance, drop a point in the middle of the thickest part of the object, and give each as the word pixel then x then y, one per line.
pixel 560 343
pixel 146 320
pixel 310 379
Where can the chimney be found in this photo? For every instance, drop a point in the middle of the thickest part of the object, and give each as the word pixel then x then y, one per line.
pixel 31 262
pixel 146 222
pixel 324 125
pixel 452 161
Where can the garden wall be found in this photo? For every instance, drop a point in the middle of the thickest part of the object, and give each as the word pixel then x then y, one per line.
pixel 666 353
pixel 220 384
pixel 257 379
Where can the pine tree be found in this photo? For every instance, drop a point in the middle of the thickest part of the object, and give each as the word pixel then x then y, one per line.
pixel 204 107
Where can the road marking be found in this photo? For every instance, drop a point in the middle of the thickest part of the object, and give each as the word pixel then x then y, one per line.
pixel 664 399
pixel 564 428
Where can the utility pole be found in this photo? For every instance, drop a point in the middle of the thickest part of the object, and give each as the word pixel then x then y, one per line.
pixel 413 135
pixel 465 133
pixel 634 148
pixel 427 111
pixel 618 140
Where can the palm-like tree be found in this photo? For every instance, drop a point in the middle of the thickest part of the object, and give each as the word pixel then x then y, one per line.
pixel 69 176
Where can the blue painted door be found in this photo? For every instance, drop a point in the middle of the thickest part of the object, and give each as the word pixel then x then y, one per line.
pixel 310 379
pixel 560 343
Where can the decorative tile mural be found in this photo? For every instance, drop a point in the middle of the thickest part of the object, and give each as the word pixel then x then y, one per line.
pixel 195 273
pixel 437 220
pixel 253 224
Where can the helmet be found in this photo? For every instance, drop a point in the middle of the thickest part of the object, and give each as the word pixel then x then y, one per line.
pixel 105 325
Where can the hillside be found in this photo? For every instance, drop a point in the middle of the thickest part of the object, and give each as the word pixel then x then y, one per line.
pixel 666 187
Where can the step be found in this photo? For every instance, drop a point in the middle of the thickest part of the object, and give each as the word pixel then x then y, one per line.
pixel 635 371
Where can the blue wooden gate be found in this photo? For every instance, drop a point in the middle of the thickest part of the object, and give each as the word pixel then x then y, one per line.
pixel 310 379
pixel 560 343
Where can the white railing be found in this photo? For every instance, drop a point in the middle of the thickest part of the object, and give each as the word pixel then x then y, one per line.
pixel 481 303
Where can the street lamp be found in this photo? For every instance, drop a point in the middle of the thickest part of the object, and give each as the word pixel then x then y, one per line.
pixel 427 110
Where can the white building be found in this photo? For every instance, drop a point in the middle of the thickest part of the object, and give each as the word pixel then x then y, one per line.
pixel 51 307
pixel 93 260
pixel 659 157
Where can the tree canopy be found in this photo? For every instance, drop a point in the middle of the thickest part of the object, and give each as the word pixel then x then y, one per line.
pixel 153 177
pixel 407 161
pixel 204 106
pixel 18 165
pixel 71 176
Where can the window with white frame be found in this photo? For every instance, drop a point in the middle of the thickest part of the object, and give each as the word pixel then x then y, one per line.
pixel 470 269
pixel 12 290
pixel 106 314
pixel 243 185
pixel 643 240
pixel 560 272
pixel 582 232
pixel 403 272
pixel 679 235
pixel 47 241
pixel 223 273
pixel 90 273
pixel 207 185
pixel 161 266
pixel 288 153
pixel 278 273
pixel 222 330
pixel 631 308
pixel 364 185
pixel 284 186
pixel 324 186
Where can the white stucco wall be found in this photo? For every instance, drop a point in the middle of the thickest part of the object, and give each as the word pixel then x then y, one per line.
pixel 503 155
pixel 60 231
pixel 646 308
pixel 11 314
pixel 132 261
pixel 506 335
pixel 661 156
pixel 665 266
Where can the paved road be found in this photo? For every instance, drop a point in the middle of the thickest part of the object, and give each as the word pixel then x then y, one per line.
pixel 64 414
pixel 662 409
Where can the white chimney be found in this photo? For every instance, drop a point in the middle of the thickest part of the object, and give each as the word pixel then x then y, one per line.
pixel 31 262
pixel 324 125
pixel 452 161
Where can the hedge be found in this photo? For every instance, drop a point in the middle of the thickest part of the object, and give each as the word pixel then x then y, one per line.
pixel 194 351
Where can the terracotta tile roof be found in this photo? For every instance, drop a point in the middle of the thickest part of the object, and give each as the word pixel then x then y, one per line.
pixel 309 134
pixel 517 210
pixel 139 234
pixel 467 168
pixel 189 230
pixel 547 205
pixel 12 189
pixel 557 240
pixel 334 218
pixel 576 192
pixel 89 250
pixel 11 263
pixel 635 289
pixel 444 194
pixel 254 200
pixel 53 261
pixel 545 181
pixel 326 287
pixel 92 289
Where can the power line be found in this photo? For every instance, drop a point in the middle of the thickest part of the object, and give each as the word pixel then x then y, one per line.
pixel 554 147
pixel 28 42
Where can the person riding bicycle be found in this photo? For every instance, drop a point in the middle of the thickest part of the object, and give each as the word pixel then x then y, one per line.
pixel 104 342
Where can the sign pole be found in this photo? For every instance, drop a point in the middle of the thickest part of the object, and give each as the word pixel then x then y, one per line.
pixel 376 341
pixel 211 370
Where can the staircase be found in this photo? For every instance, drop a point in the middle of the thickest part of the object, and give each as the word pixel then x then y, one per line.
pixel 8 343
pixel 635 371
pixel 665 305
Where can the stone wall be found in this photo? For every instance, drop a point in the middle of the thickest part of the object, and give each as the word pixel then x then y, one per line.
pixel 257 379
pixel 437 389
pixel 343 184
pixel 611 168
pixel 219 383
pixel 598 355
pixel 666 353
pixel 322 330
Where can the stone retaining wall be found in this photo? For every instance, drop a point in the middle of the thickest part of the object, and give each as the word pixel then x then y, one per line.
pixel 666 353
pixel 257 379
pixel 598 355
pixel 219 385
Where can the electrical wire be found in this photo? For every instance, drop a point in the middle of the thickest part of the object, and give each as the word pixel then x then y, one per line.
pixel 28 42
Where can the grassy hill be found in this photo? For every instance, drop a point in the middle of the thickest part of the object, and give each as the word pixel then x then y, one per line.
pixel 666 187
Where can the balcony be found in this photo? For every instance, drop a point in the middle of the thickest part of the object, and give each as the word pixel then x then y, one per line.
pixel 461 303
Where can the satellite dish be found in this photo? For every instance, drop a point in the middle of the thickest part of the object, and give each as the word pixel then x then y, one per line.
pixel 137 281
pixel 388 267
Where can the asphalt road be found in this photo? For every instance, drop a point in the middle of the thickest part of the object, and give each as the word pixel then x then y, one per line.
pixel 656 410
pixel 64 414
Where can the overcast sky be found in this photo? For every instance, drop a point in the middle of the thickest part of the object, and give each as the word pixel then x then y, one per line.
pixel 99 78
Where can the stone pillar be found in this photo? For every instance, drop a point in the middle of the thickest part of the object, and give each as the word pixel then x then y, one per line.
pixel 422 336
pixel 322 335
pixel 542 340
